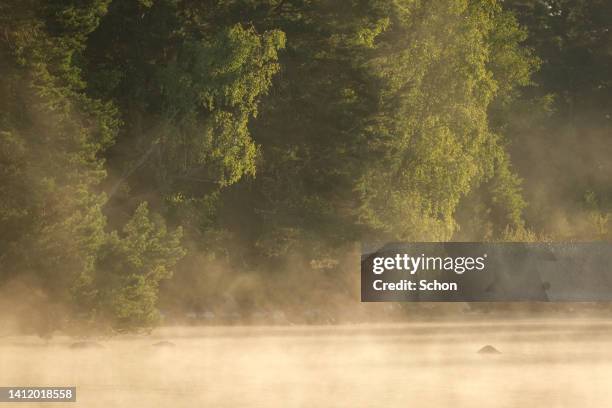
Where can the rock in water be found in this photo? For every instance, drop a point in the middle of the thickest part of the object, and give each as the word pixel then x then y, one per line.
pixel 164 344
pixel 489 349
pixel 86 345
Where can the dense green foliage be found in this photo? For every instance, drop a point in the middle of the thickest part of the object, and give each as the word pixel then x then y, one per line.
pixel 561 128
pixel 274 135
pixel 52 135
pixel 392 128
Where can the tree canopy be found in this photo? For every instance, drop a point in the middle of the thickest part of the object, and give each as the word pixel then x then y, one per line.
pixel 199 150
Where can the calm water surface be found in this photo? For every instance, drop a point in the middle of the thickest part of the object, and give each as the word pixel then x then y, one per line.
pixel 543 364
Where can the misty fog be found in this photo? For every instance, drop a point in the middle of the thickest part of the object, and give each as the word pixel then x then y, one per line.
pixel 552 363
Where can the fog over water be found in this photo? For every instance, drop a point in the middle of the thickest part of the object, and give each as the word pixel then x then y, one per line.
pixel 552 363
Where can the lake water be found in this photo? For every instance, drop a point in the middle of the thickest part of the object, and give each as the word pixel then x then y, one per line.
pixel 551 363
